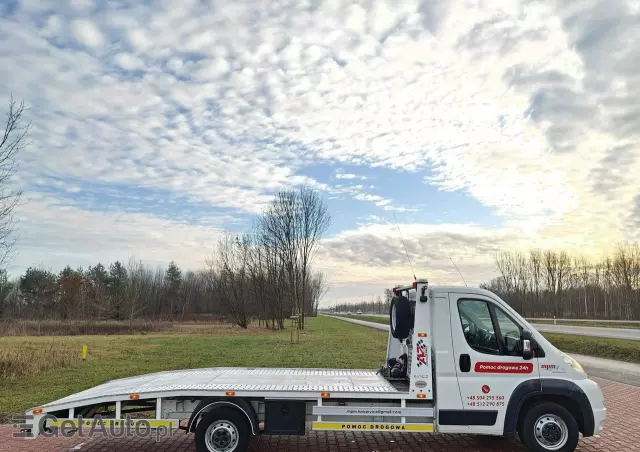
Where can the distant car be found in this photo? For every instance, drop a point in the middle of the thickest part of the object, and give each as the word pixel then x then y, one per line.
pixel 359 312
pixel 349 313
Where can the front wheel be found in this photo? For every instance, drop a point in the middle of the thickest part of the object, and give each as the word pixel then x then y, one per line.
pixel 549 427
pixel 222 430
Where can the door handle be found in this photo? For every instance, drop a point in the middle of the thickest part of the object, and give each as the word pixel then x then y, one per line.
pixel 465 363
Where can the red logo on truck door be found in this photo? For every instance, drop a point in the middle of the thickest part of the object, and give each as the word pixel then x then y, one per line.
pixel 421 353
pixel 504 368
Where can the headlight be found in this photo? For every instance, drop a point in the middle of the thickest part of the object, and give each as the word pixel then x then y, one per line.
pixel 573 363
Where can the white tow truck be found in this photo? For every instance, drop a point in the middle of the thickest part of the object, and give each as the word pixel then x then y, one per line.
pixel 459 360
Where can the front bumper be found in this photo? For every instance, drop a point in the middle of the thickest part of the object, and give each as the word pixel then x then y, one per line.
pixel 596 399
pixel 599 418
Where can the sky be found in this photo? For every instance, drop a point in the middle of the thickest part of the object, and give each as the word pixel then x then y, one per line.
pixel 463 127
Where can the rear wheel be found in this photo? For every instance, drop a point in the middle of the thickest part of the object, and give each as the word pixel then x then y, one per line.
pixel 549 427
pixel 222 430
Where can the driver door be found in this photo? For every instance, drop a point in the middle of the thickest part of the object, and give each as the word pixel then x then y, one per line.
pixel 489 362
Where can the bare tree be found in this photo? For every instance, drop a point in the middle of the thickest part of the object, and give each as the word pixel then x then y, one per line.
pixel 313 222
pixel 138 288
pixel 230 272
pixel 535 269
pixel 550 267
pixel 319 285
pixel 278 227
pixel 293 224
pixel 12 141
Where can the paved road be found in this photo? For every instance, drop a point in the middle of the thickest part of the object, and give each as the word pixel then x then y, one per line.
pixel 594 331
pixel 621 433
pixel 620 371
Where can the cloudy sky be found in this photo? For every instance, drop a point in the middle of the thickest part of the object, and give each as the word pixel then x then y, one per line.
pixel 482 125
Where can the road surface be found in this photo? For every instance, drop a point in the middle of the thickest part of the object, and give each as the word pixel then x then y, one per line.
pixel 628 373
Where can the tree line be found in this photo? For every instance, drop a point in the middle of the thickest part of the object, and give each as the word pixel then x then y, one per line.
pixel 265 274
pixel 546 283
pixel 379 306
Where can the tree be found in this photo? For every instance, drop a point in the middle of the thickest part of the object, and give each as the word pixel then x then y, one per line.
pixel 388 296
pixel 319 285
pixel 228 275
pixel 173 280
pixel 294 223
pixel 116 288
pixel 313 222
pixel 71 292
pixel 138 289
pixel 39 289
pixel 12 140
pixel 7 295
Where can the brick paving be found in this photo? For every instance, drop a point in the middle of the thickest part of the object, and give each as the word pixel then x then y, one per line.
pixel 621 433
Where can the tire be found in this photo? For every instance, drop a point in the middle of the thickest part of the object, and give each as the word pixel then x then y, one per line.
pixel 549 427
pixel 400 317
pixel 222 427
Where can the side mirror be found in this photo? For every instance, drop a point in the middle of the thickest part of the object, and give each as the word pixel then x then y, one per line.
pixel 527 344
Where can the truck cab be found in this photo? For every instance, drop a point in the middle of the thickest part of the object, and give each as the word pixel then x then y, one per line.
pixel 487 369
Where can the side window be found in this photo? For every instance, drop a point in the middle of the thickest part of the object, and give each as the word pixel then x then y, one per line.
pixel 477 326
pixel 510 333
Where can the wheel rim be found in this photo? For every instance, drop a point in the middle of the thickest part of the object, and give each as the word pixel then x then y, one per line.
pixel 393 317
pixel 551 432
pixel 221 436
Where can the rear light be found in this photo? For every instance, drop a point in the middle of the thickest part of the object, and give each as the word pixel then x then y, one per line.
pixel 394 290
pixel 414 285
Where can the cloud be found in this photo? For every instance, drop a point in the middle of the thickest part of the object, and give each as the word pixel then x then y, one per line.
pixel 375 253
pixel 87 33
pixel 55 233
pixel 528 108
pixel 82 5
pixel 350 176
pixel 129 62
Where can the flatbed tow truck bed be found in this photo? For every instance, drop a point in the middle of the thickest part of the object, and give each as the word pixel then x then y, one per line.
pixel 302 384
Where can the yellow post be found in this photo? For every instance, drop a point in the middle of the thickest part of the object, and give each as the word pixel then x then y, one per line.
pixel 84 352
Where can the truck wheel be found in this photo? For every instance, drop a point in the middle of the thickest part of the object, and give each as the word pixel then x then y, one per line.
pixel 549 427
pixel 222 430
pixel 400 317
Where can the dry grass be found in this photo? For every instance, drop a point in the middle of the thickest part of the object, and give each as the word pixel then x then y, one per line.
pixel 33 359
pixel 79 327
pixel 208 324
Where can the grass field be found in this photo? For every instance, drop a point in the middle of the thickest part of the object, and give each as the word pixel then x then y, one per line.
pixel 325 343
pixel 619 349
